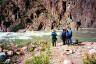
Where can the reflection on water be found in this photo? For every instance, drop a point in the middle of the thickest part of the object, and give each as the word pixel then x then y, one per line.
pixel 81 35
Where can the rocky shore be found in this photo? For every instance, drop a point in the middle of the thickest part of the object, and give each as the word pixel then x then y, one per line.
pixel 60 54
pixel 73 53
pixel 9 53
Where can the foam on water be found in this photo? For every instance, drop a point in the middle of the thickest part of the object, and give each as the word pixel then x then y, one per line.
pixel 82 35
pixel 25 35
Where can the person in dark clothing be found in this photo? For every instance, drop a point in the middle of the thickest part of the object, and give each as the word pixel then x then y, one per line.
pixel 54 38
pixel 63 36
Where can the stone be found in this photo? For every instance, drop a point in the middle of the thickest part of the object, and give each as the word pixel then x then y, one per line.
pixel 9 53
pixel 68 52
pixel 24 48
pixel 18 53
pixel 92 51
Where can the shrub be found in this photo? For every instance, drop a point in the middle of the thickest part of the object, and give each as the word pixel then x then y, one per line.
pixel 42 59
pixel 89 59
pixel 27 62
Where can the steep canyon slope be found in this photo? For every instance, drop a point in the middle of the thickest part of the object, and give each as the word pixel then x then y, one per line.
pixel 46 14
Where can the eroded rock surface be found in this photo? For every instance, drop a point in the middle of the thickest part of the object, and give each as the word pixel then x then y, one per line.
pixel 46 14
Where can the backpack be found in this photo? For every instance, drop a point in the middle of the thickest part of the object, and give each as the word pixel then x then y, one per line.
pixel 63 34
pixel 67 35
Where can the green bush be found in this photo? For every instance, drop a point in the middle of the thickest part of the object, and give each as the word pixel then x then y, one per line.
pixel 42 59
pixel 89 59
pixel 27 62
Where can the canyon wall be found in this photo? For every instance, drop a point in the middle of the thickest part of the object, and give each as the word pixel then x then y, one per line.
pixel 46 14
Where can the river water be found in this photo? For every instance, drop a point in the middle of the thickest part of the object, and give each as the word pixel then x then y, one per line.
pixel 81 35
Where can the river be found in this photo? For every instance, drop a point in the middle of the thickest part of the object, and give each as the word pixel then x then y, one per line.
pixel 88 35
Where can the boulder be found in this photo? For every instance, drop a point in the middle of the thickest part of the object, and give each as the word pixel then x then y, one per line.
pixel 67 52
pixel 24 48
pixel 67 61
pixel 91 51
pixel 18 52
pixel 9 53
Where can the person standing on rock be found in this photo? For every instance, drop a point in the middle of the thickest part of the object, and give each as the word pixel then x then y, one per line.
pixel 54 38
pixel 63 36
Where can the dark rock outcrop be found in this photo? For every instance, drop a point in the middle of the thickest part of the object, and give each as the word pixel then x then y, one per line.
pixel 46 14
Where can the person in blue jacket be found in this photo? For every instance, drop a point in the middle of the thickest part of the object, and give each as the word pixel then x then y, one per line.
pixel 63 36
pixel 70 35
pixel 54 38
pixel 67 36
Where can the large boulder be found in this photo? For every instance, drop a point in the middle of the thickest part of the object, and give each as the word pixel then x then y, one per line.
pixel 67 61
pixel 10 53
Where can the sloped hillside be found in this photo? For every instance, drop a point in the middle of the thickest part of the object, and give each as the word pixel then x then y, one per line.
pixel 46 14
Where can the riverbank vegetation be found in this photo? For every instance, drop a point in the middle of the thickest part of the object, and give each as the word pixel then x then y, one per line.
pixel 43 48
pixel 89 58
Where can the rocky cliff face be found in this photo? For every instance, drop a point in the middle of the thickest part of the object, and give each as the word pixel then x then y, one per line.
pixel 46 14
